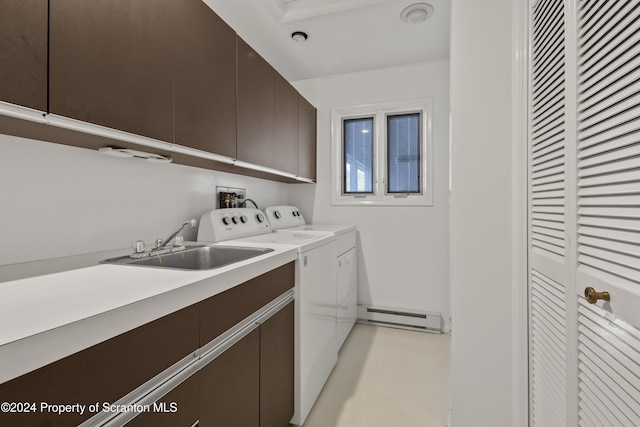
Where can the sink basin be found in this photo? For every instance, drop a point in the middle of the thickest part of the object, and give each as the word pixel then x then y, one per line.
pixel 193 258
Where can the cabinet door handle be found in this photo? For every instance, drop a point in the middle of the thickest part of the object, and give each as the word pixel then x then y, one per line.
pixel 592 296
pixel 305 261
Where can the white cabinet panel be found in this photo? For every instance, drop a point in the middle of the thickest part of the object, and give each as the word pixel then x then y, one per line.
pixel 346 293
pixel 347 316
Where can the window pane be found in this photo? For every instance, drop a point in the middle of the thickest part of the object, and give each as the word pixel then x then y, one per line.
pixel 403 153
pixel 358 155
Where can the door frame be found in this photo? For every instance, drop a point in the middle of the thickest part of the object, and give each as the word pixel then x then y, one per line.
pixel 519 207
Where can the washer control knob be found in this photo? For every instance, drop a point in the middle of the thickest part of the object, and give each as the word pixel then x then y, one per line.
pixel 260 217
pixel 277 214
pixel 235 219
pixel 243 219
pixel 226 220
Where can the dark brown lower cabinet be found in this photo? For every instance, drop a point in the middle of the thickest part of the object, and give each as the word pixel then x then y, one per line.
pixel 250 384
pixel 230 386
pixel 276 369
pixel 178 408
pixel 102 373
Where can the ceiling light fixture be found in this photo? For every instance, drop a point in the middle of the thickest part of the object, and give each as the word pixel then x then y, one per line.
pixel 299 36
pixel 416 13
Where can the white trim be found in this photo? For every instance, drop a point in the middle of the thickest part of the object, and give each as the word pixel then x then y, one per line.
pixel 20 112
pixel 17 111
pixel 93 129
pixel 519 272
pixel 379 112
pixel 252 166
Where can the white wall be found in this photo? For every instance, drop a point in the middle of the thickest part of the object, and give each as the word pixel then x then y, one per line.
pixel 58 200
pixel 403 259
pixel 481 218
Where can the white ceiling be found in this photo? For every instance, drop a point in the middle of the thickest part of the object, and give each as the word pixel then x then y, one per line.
pixel 344 35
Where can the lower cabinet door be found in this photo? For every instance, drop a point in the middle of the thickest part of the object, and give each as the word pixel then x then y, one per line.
pixel 230 385
pixel 178 408
pixel 276 368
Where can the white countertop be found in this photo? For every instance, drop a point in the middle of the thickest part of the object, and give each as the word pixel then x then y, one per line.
pixel 51 316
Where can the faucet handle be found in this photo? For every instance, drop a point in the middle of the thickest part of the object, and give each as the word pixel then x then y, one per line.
pixel 179 241
pixel 138 246
pixel 159 243
pixel 193 223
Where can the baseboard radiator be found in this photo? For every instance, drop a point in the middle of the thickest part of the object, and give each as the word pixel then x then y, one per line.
pixel 424 321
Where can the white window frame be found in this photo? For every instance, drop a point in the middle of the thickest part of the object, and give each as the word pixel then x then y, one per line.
pixel 379 112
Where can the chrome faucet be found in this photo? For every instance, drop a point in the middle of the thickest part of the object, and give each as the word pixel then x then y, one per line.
pixel 162 243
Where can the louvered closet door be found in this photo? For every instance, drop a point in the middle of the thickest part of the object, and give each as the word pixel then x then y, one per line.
pixel 549 268
pixel 584 220
pixel 608 212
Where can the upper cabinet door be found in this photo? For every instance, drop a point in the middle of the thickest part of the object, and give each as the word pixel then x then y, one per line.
pixel 205 79
pixel 306 139
pixel 23 49
pixel 286 126
pixel 111 64
pixel 255 107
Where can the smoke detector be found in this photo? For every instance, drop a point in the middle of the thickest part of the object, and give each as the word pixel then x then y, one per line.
pixel 299 36
pixel 417 13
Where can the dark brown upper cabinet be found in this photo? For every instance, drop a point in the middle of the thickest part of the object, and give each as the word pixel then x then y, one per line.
pixel 170 70
pixel 255 108
pixel 285 110
pixel 205 79
pixel 306 139
pixel 111 64
pixel 23 49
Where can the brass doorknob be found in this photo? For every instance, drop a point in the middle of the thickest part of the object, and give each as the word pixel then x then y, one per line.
pixel 592 296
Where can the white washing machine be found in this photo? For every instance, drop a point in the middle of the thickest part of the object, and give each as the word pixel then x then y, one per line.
pixel 315 289
pixel 290 219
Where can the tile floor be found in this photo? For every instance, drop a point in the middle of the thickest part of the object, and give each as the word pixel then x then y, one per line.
pixel 386 377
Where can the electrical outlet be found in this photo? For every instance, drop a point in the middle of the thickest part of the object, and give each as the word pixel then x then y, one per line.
pixel 230 197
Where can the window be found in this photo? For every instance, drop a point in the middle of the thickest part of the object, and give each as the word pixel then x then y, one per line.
pixel 382 154
pixel 358 155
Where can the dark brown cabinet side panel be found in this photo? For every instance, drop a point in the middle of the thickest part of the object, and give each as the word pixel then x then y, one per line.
pixel 230 384
pixel 306 139
pixel 205 79
pixel 276 368
pixel 178 408
pixel 255 107
pixel 104 372
pixel 286 125
pixel 111 64
pixel 23 53
pixel 224 310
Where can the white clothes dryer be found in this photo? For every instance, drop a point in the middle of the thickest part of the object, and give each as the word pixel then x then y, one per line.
pixel 290 219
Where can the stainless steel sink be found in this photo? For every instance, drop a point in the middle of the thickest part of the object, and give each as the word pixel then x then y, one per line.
pixel 193 257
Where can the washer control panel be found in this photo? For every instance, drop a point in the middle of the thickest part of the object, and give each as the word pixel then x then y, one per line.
pixel 225 224
pixel 284 217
